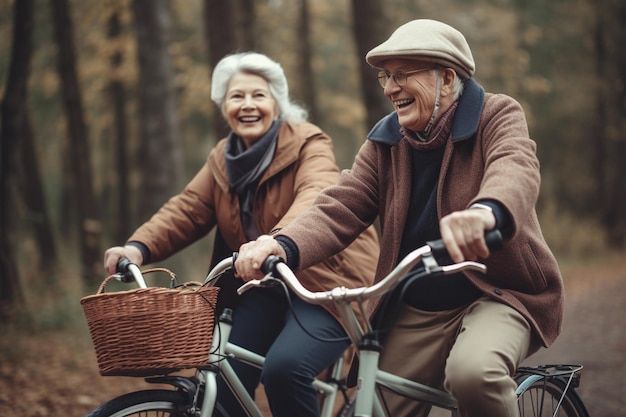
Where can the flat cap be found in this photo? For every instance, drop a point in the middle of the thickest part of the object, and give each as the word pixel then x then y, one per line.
pixel 426 40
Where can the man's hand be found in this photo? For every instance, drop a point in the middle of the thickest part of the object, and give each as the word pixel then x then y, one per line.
pixel 253 254
pixel 114 254
pixel 463 233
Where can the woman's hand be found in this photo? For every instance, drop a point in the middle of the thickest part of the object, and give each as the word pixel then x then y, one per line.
pixel 252 255
pixel 114 254
pixel 463 233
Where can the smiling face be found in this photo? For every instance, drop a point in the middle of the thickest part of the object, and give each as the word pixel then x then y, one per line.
pixel 249 107
pixel 415 100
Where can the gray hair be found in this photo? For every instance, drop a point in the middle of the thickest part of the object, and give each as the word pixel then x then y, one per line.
pixel 263 66
pixel 457 85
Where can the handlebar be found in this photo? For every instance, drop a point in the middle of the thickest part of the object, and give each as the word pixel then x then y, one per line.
pixel 129 272
pixel 493 238
pixel 427 254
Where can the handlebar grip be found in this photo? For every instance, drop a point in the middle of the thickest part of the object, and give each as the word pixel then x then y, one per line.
pixel 493 238
pixel 270 263
pixel 122 265
pixel 123 268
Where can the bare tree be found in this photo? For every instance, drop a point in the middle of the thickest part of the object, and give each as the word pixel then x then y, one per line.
pixel 33 193
pixel 305 54
pixel 89 226
pixel 614 216
pixel 117 94
pixel 370 28
pixel 219 21
pixel 246 26
pixel 161 157
pixel 609 142
pixel 600 121
pixel 14 118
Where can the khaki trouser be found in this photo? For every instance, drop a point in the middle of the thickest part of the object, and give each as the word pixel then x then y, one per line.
pixel 472 351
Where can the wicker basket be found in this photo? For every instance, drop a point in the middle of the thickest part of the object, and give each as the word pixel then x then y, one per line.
pixel 151 331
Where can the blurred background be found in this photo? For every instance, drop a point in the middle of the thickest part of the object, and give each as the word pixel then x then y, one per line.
pixel 106 113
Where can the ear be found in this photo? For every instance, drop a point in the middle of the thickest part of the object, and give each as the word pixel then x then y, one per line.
pixel 448 76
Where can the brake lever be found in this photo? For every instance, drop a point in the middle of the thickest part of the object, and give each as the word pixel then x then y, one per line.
pixel 267 281
pixel 461 266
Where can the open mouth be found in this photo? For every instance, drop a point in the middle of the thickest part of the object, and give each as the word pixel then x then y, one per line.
pixel 249 119
pixel 400 104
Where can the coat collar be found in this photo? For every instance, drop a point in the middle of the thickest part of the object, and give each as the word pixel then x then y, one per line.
pixel 287 152
pixel 464 125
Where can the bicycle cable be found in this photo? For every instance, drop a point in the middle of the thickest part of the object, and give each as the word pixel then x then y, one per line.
pixel 293 311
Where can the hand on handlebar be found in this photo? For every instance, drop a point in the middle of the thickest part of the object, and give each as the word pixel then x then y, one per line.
pixel 252 255
pixel 463 233
pixel 114 254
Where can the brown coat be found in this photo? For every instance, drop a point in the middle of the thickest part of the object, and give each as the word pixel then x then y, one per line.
pixel 304 164
pixel 495 159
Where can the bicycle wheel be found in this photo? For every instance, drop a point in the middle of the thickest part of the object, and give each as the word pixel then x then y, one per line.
pixel 160 403
pixel 544 398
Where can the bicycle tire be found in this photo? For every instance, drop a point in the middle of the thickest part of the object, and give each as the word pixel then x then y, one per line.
pixel 544 398
pixel 161 403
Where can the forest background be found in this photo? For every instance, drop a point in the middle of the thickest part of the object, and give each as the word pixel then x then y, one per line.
pixel 106 113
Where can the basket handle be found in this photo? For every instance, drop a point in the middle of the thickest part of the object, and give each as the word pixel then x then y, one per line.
pixel 173 280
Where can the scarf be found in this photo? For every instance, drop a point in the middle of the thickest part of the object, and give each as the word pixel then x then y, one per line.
pixel 439 133
pixel 244 168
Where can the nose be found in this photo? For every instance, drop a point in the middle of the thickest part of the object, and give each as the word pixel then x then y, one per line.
pixel 248 102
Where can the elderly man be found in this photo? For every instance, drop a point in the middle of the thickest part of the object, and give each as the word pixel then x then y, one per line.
pixel 453 162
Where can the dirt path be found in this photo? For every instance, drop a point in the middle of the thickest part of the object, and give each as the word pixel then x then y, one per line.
pixel 55 373
pixel 594 335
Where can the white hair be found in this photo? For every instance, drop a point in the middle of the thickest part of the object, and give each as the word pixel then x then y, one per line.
pixel 263 66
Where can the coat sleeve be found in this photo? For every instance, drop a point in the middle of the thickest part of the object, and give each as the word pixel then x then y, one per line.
pixel 340 213
pixel 315 169
pixel 185 218
pixel 512 175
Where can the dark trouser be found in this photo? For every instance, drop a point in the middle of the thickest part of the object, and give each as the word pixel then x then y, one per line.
pixel 265 324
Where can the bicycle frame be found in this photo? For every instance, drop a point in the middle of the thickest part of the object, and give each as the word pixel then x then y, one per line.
pixel 221 349
pixel 367 403
pixel 369 376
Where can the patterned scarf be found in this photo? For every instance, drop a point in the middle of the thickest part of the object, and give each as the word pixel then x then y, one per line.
pixel 245 167
pixel 438 135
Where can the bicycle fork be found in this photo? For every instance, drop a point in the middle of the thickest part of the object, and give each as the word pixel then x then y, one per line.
pixel 370 349
pixel 208 377
pixel 367 402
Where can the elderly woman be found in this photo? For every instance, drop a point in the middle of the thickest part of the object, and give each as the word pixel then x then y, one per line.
pixel 268 170
pixel 451 161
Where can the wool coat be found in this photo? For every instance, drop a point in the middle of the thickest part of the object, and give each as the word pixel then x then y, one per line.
pixel 303 165
pixel 488 156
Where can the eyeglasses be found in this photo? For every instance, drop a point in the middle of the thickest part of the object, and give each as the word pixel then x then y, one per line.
pixel 399 76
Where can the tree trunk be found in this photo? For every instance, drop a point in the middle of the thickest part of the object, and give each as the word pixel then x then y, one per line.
pixel 246 27
pixel 220 32
pixel 370 29
pixel 615 215
pixel 161 153
pixel 13 114
pixel 305 54
pixel 117 95
pixel 89 226
pixel 600 121
pixel 33 192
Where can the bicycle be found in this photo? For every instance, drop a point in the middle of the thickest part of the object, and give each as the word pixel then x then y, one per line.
pixel 547 390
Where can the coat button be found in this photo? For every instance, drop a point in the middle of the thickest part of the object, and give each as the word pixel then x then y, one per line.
pixel 498 291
